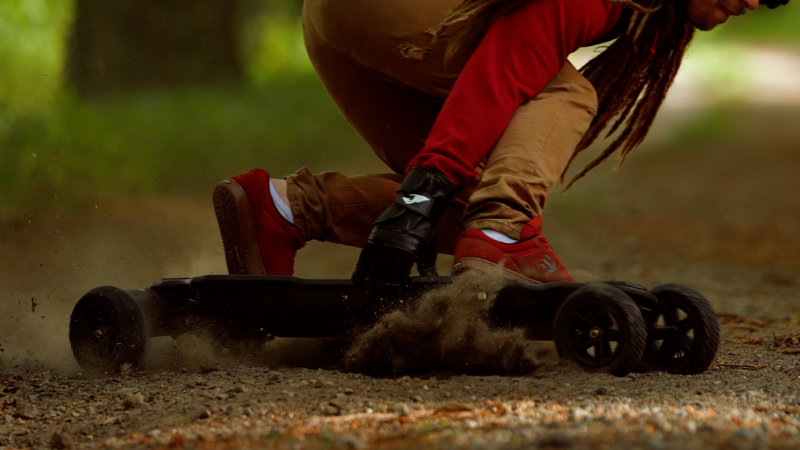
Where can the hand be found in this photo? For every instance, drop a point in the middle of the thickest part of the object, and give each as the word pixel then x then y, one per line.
pixel 404 229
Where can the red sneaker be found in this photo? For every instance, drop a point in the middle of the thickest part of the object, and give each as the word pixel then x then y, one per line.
pixel 257 239
pixel 530 259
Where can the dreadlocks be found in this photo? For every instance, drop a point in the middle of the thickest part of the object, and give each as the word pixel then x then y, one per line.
pixel 648 52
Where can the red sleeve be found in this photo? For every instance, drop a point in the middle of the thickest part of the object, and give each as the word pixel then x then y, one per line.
pixel 514 61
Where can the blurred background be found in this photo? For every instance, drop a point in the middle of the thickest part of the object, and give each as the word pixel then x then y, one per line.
pixel 117 119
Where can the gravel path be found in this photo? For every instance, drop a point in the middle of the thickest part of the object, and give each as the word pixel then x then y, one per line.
pixel 748 399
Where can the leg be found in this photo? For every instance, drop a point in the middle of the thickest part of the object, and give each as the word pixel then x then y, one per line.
pixel 369 79
pixel 382 92
pixel 519 174
pixel 530 157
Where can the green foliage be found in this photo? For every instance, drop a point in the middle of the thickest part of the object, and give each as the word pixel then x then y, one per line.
pixel 764 25
pixel 78 154
pixel 61 152
pixel 704 129
pixel 33 37
pixel 272 41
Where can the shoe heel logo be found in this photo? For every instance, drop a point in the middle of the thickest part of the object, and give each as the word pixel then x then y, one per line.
pixel 415 198
pixel 548 265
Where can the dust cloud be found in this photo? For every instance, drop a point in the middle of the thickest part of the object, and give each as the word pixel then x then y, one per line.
pixel 47 263
pixel 446 330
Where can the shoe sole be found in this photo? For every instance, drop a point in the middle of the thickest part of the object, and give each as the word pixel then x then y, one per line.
pixel 237 227
pixel 485 266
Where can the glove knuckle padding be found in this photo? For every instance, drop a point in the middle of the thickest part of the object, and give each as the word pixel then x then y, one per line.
pixel 398 222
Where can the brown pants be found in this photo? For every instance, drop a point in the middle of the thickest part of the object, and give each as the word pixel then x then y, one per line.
pixel 377 62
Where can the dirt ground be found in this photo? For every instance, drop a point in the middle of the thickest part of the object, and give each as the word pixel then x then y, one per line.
pixel 721 215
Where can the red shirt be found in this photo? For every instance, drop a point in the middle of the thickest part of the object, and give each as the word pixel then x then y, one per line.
pixel 518 56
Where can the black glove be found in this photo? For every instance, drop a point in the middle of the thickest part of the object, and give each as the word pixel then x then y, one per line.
pixel 403 234
pixel 772 4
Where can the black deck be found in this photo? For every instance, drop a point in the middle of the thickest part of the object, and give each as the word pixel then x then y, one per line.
pixel 288 306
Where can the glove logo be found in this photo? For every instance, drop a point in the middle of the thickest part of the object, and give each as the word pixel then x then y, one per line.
pixel 415 198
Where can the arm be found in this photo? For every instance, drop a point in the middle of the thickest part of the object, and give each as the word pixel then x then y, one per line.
pixel 519 55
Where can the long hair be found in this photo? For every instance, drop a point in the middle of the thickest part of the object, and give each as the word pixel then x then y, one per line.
pixel 631 76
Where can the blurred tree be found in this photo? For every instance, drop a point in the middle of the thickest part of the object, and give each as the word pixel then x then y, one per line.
pixel 128 44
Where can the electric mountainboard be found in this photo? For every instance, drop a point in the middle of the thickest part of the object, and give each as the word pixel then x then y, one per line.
pixel 613 327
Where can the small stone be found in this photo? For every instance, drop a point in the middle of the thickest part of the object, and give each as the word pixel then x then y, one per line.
pixel 557 440
pixel 61 440
pixel 26 411
pixel 401 409
pixel 273 379
pixel 350 441
pixel 133 401
pixel 330 409
pixel 578 414
pixel 602 390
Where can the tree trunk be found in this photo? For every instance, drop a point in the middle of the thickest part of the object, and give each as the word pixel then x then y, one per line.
pixel 131 44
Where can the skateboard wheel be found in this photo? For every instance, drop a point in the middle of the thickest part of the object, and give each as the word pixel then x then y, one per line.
pixel 107 331
pixel 684 333
pixel 601 329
